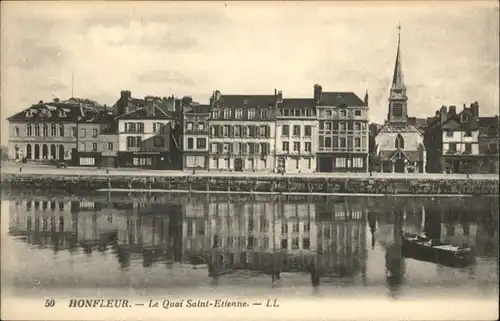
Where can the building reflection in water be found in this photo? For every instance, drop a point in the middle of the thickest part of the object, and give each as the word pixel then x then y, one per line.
pixel 326 240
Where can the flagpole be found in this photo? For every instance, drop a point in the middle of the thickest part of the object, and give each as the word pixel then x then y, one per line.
pixel 72 84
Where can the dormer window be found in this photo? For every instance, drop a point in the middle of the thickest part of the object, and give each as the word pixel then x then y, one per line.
pixel 400 142
pixel 262 114
pixel 465 118
pixel 238 114
pixel 343 113
pixel 251 113
pixel 62 114
pixel 29 114
pixel 227 113
pixel 215 114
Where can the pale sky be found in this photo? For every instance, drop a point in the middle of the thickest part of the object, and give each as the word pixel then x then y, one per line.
pixel 450 51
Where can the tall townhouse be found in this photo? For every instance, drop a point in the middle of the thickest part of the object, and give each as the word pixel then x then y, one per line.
pixel 488 143
pixel 195 137
pixel 47 130
pixel 460 137
pixel 296 135
pixel 242 132
pixel 343 133
pixel 97 139
pixel 148 132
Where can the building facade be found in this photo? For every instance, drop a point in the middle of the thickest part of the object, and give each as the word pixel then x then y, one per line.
pixel 148 136
pixel 460 137
pixel 488 144
pixel 343 133
pixel 195 137
pixel 242 132
pixel 47 130
pixel 296 136
pixel 399 145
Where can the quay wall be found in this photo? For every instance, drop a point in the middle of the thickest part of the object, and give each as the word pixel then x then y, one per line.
pixel 75 184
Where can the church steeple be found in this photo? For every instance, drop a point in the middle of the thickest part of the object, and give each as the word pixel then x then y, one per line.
pixel 398 111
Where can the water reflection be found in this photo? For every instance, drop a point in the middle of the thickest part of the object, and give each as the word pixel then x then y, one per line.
pixel 330 241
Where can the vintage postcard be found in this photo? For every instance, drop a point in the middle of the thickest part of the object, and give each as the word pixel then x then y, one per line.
pixel 249 160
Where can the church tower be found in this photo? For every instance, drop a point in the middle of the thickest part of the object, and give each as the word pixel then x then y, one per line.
pixel 398 109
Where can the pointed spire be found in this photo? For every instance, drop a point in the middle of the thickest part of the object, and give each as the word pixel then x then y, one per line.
pixel 398 79
pixel 366 98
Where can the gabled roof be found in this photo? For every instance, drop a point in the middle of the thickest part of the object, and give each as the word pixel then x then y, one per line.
pixel 246 101
pixel 458 123
pixel 152 111
pixel 339 99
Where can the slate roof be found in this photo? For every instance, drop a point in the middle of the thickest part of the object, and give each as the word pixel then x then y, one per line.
pixel 339 99
pixel 62 111
pixel 246 101
pixel 197 109
pixel 151 111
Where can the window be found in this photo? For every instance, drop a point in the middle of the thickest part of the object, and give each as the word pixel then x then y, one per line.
pixel 295 227
pixel 225 130
pixel 286 146
pixel 306 244
pixel 307 146
pixel 357 142
pixel 190 143
pixel 357 162
pixel 94 133
pixel 307 131
pixel 397 109
pixel 449 133
pixel 284 228
pixel 227 113
pixel 263 114
pixel 357 113
pixel 238 114
pixel 307 227
pixel 340 162
pixel 262 131
pixel 296 130
pixel 328 113
pixel 189 126
pixel 110 146
pixel 465 118
pixel 400 142
pixel 265 242
pixel 296 146
pixel 158 127
pixel 37 130
pixel 61 130
pixel 343 113
pixel 94 147
pixel 285 130
pixel 215 114
pixel 29 131
pixel 16 131
pixel 201 143
pixel 215 148
pixel 295 243
pixel 53 130
pixel 468 133
pixel 251 113
pixel 452 147
pixel 45 131
pixel 237 131
pixel 342 142
pixel 357 126
pixel 342 126
pixel 468 148
pixel 284 243
pixel 83 132
pixel 158 141
pixel 134 141
pixel 328 142
pixel 201 126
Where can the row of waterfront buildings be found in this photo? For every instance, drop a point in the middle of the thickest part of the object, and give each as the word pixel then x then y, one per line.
pixel 328 132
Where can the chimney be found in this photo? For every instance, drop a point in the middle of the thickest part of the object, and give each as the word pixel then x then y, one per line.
pixel 443 114
pixel 275 92
pixel 317 92
pixel 452 110
pixel 366 98
pixel 280 95
pixel 217 95
pixel 474 107
pixel 186 101
pixel 121 106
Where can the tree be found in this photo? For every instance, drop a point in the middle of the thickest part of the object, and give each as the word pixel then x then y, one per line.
pixel 4 153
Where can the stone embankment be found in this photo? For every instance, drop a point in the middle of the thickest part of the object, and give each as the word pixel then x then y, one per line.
pixel 76 184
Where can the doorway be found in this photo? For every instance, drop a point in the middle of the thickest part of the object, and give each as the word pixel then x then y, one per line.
pixel 399 166
pixel 238 165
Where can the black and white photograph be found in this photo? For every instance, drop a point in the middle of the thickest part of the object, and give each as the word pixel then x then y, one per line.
pixel 302 160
